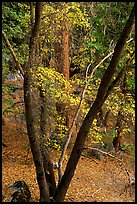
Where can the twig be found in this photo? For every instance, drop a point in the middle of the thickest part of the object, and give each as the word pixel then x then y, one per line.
pixel 130 182
pixel 94 69
pixel 130 40
pixel 96 192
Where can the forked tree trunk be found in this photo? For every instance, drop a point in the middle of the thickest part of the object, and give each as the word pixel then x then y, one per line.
pixel 84 130
pixel 28 99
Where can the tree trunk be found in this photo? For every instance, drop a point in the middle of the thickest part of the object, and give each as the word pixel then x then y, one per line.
pixel 28 99
pixel 61 48
pixel 61 45
pixel 32 13
pixel 100 118
pixel 48 167
pixel 84 130
pixel 65 48
pixel 118 128
pixel 105 121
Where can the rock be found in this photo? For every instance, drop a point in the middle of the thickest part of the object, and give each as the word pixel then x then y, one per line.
pixel 96 154
pixel 108 146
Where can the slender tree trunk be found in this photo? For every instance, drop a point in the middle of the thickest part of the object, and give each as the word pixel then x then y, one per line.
pixel 118 128
pixel 65 48
pixel 32 13
pixel 84 130
pixel 105 121
pixel 100 118
pixel 28 99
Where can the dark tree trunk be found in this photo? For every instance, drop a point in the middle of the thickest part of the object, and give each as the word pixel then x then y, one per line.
pixel 106 117
pixel 32 13
pixel 28 99
pixel 120 118
pixel 118 128
pixel 100 118
pixel 48 167
pixel 84 130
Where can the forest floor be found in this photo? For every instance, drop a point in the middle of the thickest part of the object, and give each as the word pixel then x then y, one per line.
pixel 107 180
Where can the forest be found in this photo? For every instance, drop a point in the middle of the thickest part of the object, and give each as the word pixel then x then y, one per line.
pixel 68 102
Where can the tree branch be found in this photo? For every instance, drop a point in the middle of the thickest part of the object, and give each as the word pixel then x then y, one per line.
pixel 106 153
pixel 60 173
pixel 12 52
pixel 120 74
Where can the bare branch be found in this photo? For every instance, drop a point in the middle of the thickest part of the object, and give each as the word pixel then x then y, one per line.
pixel 131 181
pixel 60 173
pixel 94 69
pixel 12 52
pixel 106 153
pixel 96 192
pixel 130 40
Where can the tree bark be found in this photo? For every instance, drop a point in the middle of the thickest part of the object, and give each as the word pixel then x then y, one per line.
pixel 61 48
pixel 48 167
pixel 32 132
pixel 32 13
pixel 84 130
pixel 61 45
pixel 65 46
pixel 118 128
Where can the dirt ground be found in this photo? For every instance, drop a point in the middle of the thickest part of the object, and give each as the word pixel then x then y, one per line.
pixel 107 180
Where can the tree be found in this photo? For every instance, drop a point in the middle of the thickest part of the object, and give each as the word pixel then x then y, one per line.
pixel 32 133
pixel 36 133
pixel 83 132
